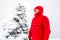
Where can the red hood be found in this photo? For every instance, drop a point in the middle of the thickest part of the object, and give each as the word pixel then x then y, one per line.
pixel 40 10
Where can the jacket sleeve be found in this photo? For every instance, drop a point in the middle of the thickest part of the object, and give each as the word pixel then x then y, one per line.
pixel 46 26
pixel 30 31
pixel 29 34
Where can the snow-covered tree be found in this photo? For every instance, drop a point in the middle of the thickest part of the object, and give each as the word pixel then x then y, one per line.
pixel 18 26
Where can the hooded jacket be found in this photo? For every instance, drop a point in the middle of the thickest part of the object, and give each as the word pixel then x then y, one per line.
pixel 40 26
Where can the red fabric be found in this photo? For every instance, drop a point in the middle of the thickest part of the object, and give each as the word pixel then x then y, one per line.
pixel 40 26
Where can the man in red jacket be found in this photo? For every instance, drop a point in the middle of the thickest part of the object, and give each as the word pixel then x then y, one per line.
pixel 40 26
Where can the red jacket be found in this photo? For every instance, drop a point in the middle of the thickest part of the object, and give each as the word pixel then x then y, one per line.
pixel 40 26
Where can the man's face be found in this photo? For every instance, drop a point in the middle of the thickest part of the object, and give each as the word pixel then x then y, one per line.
pixel 36 10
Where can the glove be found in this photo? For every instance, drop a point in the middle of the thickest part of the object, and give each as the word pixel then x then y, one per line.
pixel 29 38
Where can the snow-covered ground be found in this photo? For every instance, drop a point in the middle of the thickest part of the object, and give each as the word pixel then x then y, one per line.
pixel 54 39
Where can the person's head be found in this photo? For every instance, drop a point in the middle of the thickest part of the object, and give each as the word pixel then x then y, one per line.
pixel 38 9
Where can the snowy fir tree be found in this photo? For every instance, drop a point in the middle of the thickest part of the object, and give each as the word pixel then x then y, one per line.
pixel 17 29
